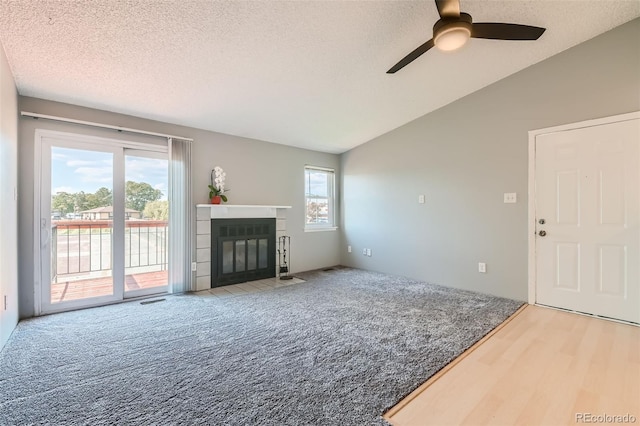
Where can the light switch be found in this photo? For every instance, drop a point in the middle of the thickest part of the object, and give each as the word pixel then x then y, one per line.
pixel 510 197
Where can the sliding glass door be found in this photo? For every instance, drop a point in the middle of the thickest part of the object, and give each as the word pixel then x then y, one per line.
pixel 146 222
pixel 103 222
pixel 78 225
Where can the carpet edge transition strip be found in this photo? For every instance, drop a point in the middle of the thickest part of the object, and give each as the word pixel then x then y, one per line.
pixel 407 399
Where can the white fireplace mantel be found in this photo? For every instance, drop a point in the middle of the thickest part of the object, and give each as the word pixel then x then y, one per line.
pixel 231 211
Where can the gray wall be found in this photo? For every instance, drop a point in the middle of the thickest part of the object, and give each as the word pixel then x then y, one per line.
pixel 257 173
pixel 9 210
pixel 463 157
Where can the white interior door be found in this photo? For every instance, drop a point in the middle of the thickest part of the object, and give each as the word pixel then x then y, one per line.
pixel 587 189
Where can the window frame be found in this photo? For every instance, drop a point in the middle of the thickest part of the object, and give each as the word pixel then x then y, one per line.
pixel 331 195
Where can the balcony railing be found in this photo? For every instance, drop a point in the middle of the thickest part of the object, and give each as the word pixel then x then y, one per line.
pixel 83 247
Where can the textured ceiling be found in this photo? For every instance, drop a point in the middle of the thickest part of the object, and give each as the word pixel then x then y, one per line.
pixel 303 73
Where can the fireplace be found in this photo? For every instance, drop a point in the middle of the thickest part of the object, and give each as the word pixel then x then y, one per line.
pixel 242 250
pixel 206 217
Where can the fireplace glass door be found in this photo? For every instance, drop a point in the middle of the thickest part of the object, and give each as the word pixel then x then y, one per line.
pixel 242 250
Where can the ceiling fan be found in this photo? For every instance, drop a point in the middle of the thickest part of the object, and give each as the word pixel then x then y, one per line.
pixel 454 28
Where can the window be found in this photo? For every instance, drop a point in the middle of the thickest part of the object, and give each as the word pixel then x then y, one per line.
pixel 319 198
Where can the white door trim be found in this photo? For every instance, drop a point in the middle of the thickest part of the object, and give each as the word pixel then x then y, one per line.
pixel 532 184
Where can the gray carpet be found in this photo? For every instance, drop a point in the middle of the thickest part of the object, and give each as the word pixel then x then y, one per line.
pixel 338 350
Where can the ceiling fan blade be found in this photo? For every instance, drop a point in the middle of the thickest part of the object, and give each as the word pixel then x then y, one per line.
pixel 448 8
pixel 498 31
pixel 411 57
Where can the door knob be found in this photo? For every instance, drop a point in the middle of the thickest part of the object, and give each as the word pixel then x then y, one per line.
pixel 542 233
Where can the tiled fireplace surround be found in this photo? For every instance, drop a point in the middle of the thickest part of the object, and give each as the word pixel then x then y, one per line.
pixel 206 212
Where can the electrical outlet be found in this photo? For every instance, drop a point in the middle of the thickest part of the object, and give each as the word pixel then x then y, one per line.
pixel 369 252
pixel 364 252
pixel 510 197
pixel 482 267
pixel 194 266
pixel 348 249
pixel 421 199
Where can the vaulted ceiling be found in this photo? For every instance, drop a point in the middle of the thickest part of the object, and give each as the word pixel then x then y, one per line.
pixel 310 74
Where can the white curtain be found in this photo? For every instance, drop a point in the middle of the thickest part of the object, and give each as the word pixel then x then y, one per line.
pixel 180 216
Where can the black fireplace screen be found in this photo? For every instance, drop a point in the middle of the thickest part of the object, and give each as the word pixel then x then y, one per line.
pixel 242 250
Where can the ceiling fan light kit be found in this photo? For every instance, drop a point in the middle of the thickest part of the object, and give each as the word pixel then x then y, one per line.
pixel 452 34
pixel 454 29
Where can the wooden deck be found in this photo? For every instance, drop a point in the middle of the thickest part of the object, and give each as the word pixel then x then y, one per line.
pixel 94 287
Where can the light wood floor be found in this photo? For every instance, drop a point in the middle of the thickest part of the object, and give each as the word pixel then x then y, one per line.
pixel 543 367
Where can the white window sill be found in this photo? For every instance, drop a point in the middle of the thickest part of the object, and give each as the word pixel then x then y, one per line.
pixel 327 228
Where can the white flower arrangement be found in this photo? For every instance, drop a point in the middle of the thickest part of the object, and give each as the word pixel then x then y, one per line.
pixel 216 188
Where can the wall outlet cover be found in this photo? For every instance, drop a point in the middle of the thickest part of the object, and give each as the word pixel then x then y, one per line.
pixel 482 267
pixel 369 252
pixel 348 249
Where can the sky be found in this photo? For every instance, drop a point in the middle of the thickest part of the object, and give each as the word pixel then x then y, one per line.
pixel 74 170
pixel 316 183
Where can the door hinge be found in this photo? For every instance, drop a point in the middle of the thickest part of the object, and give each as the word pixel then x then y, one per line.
pixel 5 302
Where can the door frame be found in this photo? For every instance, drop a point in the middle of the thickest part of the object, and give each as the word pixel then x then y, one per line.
pixel 78 140
pixel 531 220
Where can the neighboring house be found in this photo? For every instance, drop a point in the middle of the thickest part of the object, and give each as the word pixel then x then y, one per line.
pixel 106 213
